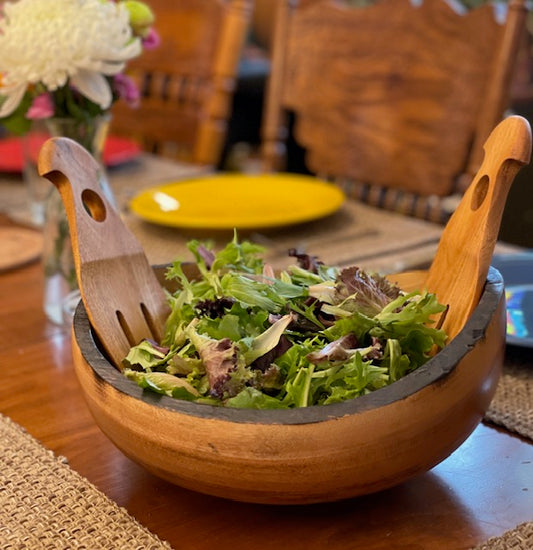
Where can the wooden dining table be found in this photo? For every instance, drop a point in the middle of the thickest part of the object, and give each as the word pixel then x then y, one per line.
pixel 482 490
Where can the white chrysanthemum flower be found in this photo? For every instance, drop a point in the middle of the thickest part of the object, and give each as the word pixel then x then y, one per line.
pixel 55 41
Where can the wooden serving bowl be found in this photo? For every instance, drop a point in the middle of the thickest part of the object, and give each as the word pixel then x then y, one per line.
pixel 314 454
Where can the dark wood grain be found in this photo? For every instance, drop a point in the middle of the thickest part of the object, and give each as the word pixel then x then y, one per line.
pixel 481 490
pixel 106 254
pixel 400 95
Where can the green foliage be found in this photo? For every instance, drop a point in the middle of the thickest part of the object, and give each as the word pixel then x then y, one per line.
pixel 240 338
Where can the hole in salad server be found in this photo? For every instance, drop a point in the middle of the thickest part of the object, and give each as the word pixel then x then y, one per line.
pixel 94 205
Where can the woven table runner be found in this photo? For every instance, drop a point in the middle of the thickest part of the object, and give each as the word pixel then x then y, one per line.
pixel 45 505
pixel 512 406
pixel 519 538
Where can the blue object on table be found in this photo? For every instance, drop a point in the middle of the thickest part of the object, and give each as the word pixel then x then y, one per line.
pixel 517 272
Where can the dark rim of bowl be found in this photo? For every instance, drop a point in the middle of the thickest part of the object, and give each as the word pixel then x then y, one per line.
pixel 434 370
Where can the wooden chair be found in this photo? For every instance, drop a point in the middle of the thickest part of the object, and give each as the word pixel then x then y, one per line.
pixel 187 82
pixel 393 100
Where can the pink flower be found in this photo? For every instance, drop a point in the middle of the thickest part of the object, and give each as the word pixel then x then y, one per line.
pixel 151 40
pixel 42 107
pixel 126 89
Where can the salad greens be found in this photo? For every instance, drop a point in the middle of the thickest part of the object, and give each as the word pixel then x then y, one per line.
pixel 240 336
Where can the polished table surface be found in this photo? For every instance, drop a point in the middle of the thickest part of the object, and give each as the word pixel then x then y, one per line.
pixel 480 491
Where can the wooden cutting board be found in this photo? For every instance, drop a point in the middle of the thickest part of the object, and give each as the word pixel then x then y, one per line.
pixel 19 246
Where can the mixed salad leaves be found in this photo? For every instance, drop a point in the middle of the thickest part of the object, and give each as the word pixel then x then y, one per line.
pixel 240 336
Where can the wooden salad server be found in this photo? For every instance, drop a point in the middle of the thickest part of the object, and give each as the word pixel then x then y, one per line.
pixel 461 263
pixel 123 298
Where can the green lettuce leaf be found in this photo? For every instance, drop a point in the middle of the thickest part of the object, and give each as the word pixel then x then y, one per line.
pixel 147 356
pixel 250 398
pixel 164 383
pixel 241 336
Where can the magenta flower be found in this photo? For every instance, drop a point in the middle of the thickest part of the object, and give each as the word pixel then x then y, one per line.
pixel 42 107
pixel 151 40
pixel 126 89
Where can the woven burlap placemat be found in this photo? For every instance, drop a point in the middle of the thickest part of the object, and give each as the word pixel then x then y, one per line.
pixel 519 538
pixel 512 406
pixel 45 505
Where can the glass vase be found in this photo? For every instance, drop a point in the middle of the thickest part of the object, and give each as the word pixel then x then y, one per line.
pixel 60 284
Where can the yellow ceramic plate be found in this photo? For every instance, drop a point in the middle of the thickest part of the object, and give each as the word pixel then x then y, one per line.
pixel 242 201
